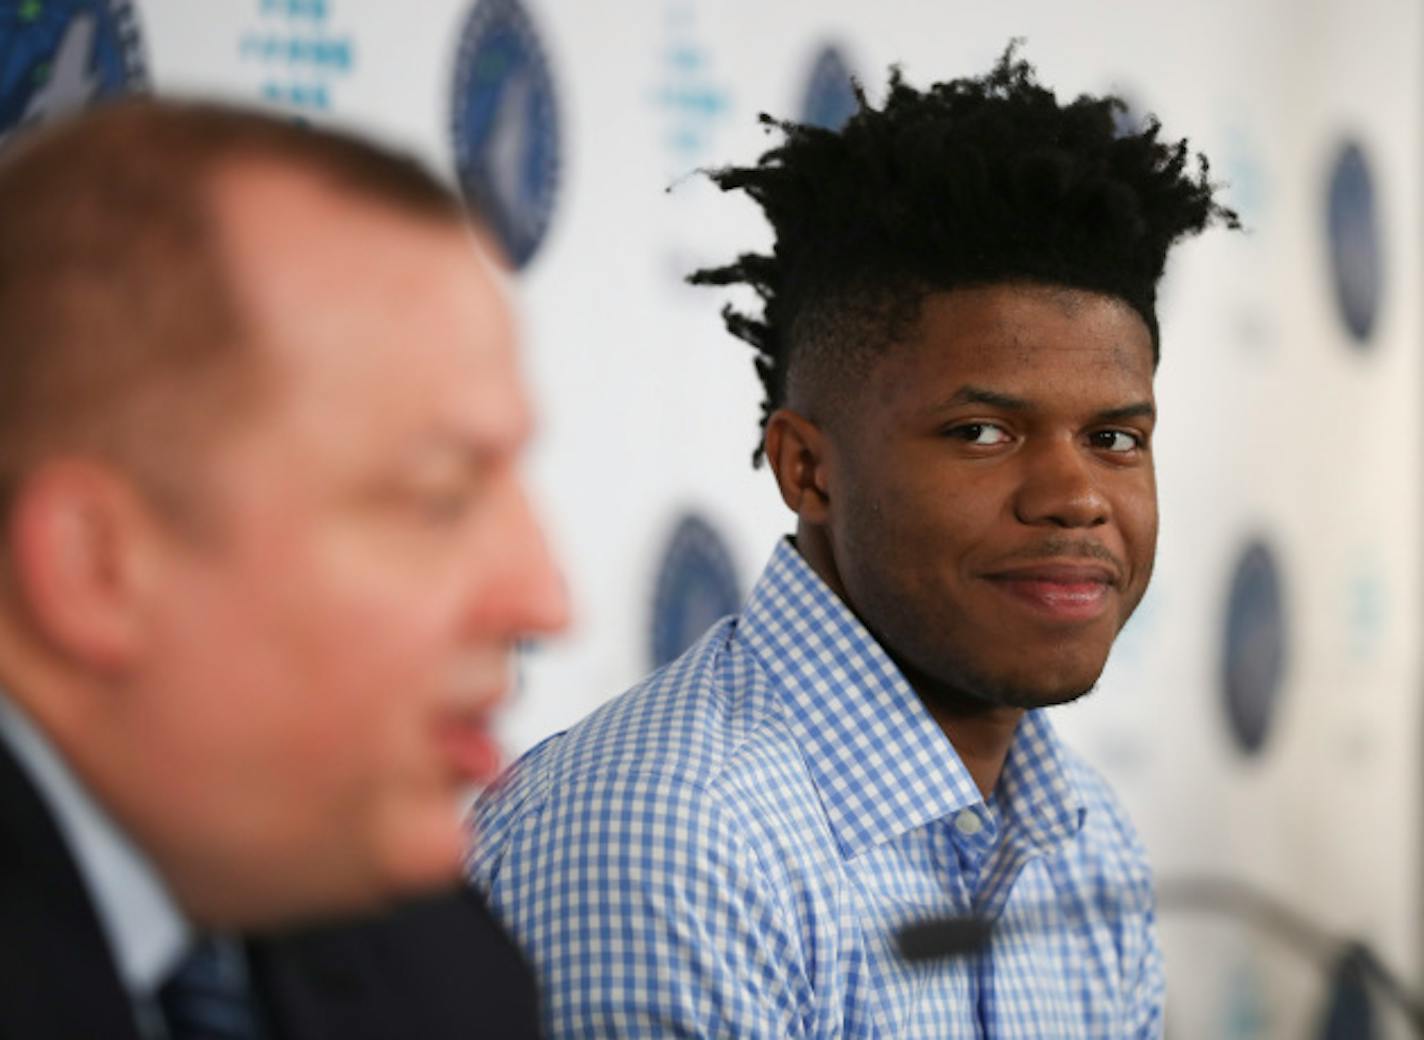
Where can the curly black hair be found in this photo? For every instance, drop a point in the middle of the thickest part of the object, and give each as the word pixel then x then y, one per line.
pixel 972 182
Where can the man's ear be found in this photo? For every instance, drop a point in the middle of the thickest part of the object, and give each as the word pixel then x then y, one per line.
pixel 81 543
pixel 797 450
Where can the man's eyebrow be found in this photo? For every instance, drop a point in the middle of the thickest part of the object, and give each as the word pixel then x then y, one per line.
pixel 970 394
pixel 471 455
pixel 1139 410
pixel 1007 402
pixel 979 395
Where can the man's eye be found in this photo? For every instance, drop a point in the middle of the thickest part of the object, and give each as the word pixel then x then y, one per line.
pixel 1117 441
pixel 982 434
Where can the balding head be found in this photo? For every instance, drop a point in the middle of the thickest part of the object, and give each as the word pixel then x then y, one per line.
pixel 120 333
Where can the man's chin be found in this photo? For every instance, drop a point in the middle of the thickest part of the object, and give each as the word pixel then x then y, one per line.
pixel 976 694
pixel 436 863
pixel 1033 681
pixel 1030 699
pixel 1042 680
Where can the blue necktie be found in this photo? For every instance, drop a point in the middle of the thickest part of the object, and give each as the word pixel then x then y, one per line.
pixel 207 997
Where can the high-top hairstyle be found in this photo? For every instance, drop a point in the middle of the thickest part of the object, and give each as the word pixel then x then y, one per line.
pixel 119 332
pixel 971 182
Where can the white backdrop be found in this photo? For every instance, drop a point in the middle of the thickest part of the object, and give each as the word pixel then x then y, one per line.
pixel 1279 424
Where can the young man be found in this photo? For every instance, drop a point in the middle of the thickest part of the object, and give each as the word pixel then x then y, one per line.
pixel 266 553
pixel 957 348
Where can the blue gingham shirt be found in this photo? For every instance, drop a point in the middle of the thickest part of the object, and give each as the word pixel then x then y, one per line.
pixel 728 849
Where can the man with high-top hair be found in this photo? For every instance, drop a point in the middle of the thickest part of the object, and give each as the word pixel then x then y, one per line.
pixel 957 346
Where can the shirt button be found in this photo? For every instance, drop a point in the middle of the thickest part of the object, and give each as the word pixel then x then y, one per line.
pixel 968 823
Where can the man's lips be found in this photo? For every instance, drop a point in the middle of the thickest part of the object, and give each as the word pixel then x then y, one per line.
pixel 1059 591
pixel 476 684
pixel 465 741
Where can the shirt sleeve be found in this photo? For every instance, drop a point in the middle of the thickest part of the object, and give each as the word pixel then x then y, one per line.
pixel 1147 990
pixel 646 914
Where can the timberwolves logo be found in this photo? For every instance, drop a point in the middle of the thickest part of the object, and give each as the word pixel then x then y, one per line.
pixel 829 99
pixel 59 56
pixel 506 126
pixel 697 585
pixel 1254 657
pixel 1355 260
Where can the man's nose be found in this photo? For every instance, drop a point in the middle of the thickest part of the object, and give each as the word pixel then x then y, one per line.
pixel 1061 487
pixel 524 594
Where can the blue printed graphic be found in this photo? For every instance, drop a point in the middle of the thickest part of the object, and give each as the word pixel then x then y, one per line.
pixel 1246 1010
pixel 506 126
pixel 316 10
pixel 696 585
pixel 830 99
pixel 1246 177
pixel 60 56
pixel 1254 647
pixel 691 98
pixel 1365 598
pixel 1356 260
pixel 301 59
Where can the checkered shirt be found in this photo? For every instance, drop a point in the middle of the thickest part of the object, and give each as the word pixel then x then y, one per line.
pixel 728 849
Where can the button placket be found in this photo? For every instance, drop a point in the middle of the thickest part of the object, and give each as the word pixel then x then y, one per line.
pixel 975 833
pixel 967 822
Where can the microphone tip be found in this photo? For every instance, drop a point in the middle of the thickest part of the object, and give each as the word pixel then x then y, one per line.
pixel 943 937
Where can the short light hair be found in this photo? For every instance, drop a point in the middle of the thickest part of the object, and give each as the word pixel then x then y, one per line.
pixel 120 334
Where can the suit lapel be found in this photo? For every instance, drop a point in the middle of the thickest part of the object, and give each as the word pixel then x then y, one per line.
pixel 57 976
pixel 437 969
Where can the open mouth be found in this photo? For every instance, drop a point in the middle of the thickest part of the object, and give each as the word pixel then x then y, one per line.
pixel 469 747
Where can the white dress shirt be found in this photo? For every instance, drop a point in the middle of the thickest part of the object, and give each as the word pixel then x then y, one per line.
pixel 147 933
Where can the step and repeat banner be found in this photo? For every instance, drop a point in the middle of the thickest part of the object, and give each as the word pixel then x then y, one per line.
pixel 1261 714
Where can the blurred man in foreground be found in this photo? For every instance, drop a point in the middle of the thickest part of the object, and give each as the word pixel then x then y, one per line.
pixel 957 347
pixel 266 554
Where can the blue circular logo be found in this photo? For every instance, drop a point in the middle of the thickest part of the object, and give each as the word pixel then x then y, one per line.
pixel 1356 260
pixel 696 586
pixel 1254 655
pixel 829 100
pixel 59 56
pixel 506 126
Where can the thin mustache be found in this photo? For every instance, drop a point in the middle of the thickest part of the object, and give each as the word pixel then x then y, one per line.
pixel 1069 549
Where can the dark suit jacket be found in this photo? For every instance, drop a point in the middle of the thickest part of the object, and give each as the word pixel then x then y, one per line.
pixel 439 968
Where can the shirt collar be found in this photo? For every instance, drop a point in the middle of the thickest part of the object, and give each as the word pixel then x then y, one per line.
pixel 878 759
pixel 147 932
pixel 1038 798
